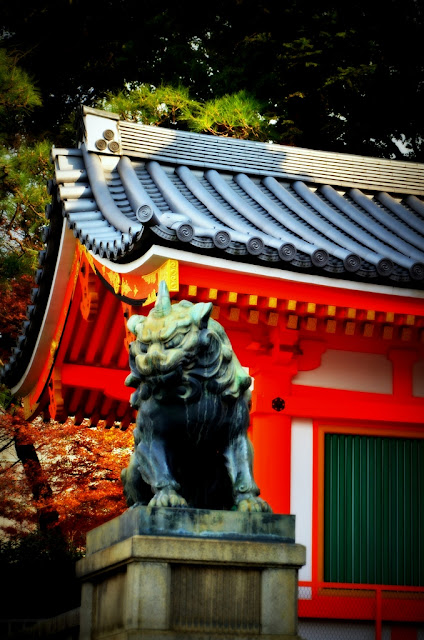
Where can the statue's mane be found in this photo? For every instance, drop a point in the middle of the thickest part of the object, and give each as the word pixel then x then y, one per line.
pixel 209 362
pixel 217 365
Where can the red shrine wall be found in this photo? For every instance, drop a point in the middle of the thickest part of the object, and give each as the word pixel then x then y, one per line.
pixel 374 393
pixel 326 361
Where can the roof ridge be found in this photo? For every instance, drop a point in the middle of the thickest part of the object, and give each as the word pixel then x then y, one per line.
pixel 106 133
pixel 219 140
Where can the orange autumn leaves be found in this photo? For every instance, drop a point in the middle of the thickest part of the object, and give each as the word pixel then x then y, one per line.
pixel 60 475
pixel 52 475
pixel 14 298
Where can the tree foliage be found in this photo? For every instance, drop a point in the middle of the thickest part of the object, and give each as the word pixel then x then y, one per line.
pixel 39 571
pixel 70 482
pixel 14 297
pixel 347 75
pixel 161 106
pixel 24 170
pixel 18 97
pixel 238 115
pixel 23 195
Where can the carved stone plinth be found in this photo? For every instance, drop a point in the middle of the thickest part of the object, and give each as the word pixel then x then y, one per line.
pixel 187 573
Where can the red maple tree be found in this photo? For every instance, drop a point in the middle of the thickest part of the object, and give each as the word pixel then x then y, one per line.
pixel 53 476
pixel 68 478
pixel 14 298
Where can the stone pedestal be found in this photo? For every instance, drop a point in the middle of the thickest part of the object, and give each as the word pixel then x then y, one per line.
pixel 191 574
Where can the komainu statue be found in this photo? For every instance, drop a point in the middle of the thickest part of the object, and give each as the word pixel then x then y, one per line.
pixel 192 396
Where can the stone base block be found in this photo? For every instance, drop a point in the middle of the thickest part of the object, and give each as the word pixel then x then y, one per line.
pixel 178 574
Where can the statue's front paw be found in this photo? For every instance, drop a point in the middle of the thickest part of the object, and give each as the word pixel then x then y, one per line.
pixel 167 498
pixel 253 504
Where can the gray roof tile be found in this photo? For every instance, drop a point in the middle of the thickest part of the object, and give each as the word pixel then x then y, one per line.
pixel 361 218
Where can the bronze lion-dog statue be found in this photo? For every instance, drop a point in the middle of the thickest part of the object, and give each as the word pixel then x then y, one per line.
pixel 192 396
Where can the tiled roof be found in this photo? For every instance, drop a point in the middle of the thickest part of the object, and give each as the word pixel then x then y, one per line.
pixel 129 186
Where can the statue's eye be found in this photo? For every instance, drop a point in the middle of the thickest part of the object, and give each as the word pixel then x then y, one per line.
pixel 142 347
pixel 174 342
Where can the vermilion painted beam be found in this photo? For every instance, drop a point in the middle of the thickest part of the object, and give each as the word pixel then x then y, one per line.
pixel 114 343
pixel 362 607
pixel 306 292
pixel 104 319
pixel 110 381
pixel 403 360
pixel 317 403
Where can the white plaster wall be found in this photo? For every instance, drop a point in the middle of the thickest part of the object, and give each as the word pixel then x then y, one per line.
pixel 301 488
pixel 418 379
pixel 350 371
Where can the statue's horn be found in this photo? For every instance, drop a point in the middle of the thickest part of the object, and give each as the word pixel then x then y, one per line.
pixel 163 301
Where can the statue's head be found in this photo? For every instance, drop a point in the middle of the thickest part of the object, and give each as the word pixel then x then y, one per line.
pixel 170 335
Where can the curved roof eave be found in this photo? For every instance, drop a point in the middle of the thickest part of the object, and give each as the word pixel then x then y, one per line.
pixel 54 305
pixel 157 254
pixel 111 203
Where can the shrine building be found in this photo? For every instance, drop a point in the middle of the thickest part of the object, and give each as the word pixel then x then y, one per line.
pixel 314 263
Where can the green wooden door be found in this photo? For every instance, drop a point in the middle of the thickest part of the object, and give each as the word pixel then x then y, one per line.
pixel 373 510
